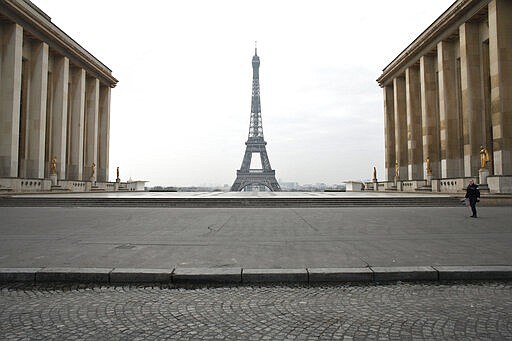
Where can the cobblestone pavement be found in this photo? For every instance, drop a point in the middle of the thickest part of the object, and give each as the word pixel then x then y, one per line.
pixel 479 310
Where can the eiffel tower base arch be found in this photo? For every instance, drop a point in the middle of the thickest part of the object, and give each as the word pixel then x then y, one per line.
pixel 245 179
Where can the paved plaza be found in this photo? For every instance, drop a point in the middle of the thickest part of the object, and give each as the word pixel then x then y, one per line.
pixel 257 238
pixel 275 238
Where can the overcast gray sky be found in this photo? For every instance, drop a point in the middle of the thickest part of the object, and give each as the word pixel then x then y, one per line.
pixel 180 113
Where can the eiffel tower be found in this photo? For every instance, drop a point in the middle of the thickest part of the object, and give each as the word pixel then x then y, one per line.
pixel 247 178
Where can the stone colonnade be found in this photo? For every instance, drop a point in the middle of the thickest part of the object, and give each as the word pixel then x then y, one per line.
pixel 55 100
pixel 449 93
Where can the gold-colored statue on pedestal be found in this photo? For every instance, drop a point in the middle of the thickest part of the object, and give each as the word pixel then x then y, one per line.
pixel 428 168
pixel 53 167
pixel 397 170
pixel 374 173
pixel 117 172
pixel 93 169
pixel 484 157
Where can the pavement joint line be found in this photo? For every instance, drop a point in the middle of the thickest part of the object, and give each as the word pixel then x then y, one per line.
pixel 254 276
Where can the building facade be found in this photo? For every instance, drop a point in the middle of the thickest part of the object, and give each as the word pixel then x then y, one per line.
pixel 448 103
pixel 54 108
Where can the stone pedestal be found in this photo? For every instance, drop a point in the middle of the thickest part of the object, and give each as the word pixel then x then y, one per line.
pixel 483 188
pixel 436 186
pixel 53 178
pixel 375 185
pixel 500 184
pixel 58 188
pixel 398 185
pixel 353 186
pixel 483 174
pixel 429 179
pixel 116 185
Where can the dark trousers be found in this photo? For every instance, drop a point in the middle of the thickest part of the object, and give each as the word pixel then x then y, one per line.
pixel 472 203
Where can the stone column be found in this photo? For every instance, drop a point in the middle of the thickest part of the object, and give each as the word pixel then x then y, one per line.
pixel 103 133
pixel 400 125
pixel 11 43
pixel 429 116
pixel 471 87
pixel 91 127
pixel 36 127
pixel 500 55
pixel 448 112
pixel 414 136
pixel 389 132
pixel 75 152
pixel 60 114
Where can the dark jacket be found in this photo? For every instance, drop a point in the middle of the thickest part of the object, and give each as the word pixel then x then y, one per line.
pixel 472 192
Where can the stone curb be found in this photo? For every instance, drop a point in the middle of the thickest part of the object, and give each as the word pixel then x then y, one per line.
pixel 404 273
pixel 129 275
pixel 207 276
pixel 261 276
pixel 18 274
pixel 239 276
pixel 474 272
pixel 324 275
pixel 80 275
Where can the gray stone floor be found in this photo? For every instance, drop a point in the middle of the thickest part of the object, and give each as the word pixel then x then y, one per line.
pixel 253 238
pixel 426 311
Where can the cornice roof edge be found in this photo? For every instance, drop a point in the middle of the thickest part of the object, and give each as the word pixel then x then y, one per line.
pixel 428 36
pixel 30 13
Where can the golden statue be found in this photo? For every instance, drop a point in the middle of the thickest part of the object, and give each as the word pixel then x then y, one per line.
pixel 53 168
pixel 374 173
pixel 484 157
pixel 93 169
pixel 117 171
pixel 429 168
pixel 397 170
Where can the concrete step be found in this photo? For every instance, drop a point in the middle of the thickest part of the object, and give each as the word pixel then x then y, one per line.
pixel 228 202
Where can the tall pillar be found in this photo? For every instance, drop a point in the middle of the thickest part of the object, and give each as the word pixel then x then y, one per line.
pixel 400 125
pixel 414 136
pixel 430 116
pixel 36 127
pixel 11 43
pixel 75 148
pixel 103 133
pixel 91 126
pixel 60 114
pixel 500 55
pixel 451 158
pixel 471 87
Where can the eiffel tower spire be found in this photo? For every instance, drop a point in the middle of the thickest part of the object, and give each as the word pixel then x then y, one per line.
pixel 256 126
pixel 246 178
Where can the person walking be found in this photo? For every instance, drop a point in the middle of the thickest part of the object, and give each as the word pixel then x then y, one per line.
pixel 473 194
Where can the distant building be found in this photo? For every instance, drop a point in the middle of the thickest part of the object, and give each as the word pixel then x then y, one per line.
pixel 447 96
pixel 289 186
pixel 55 105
